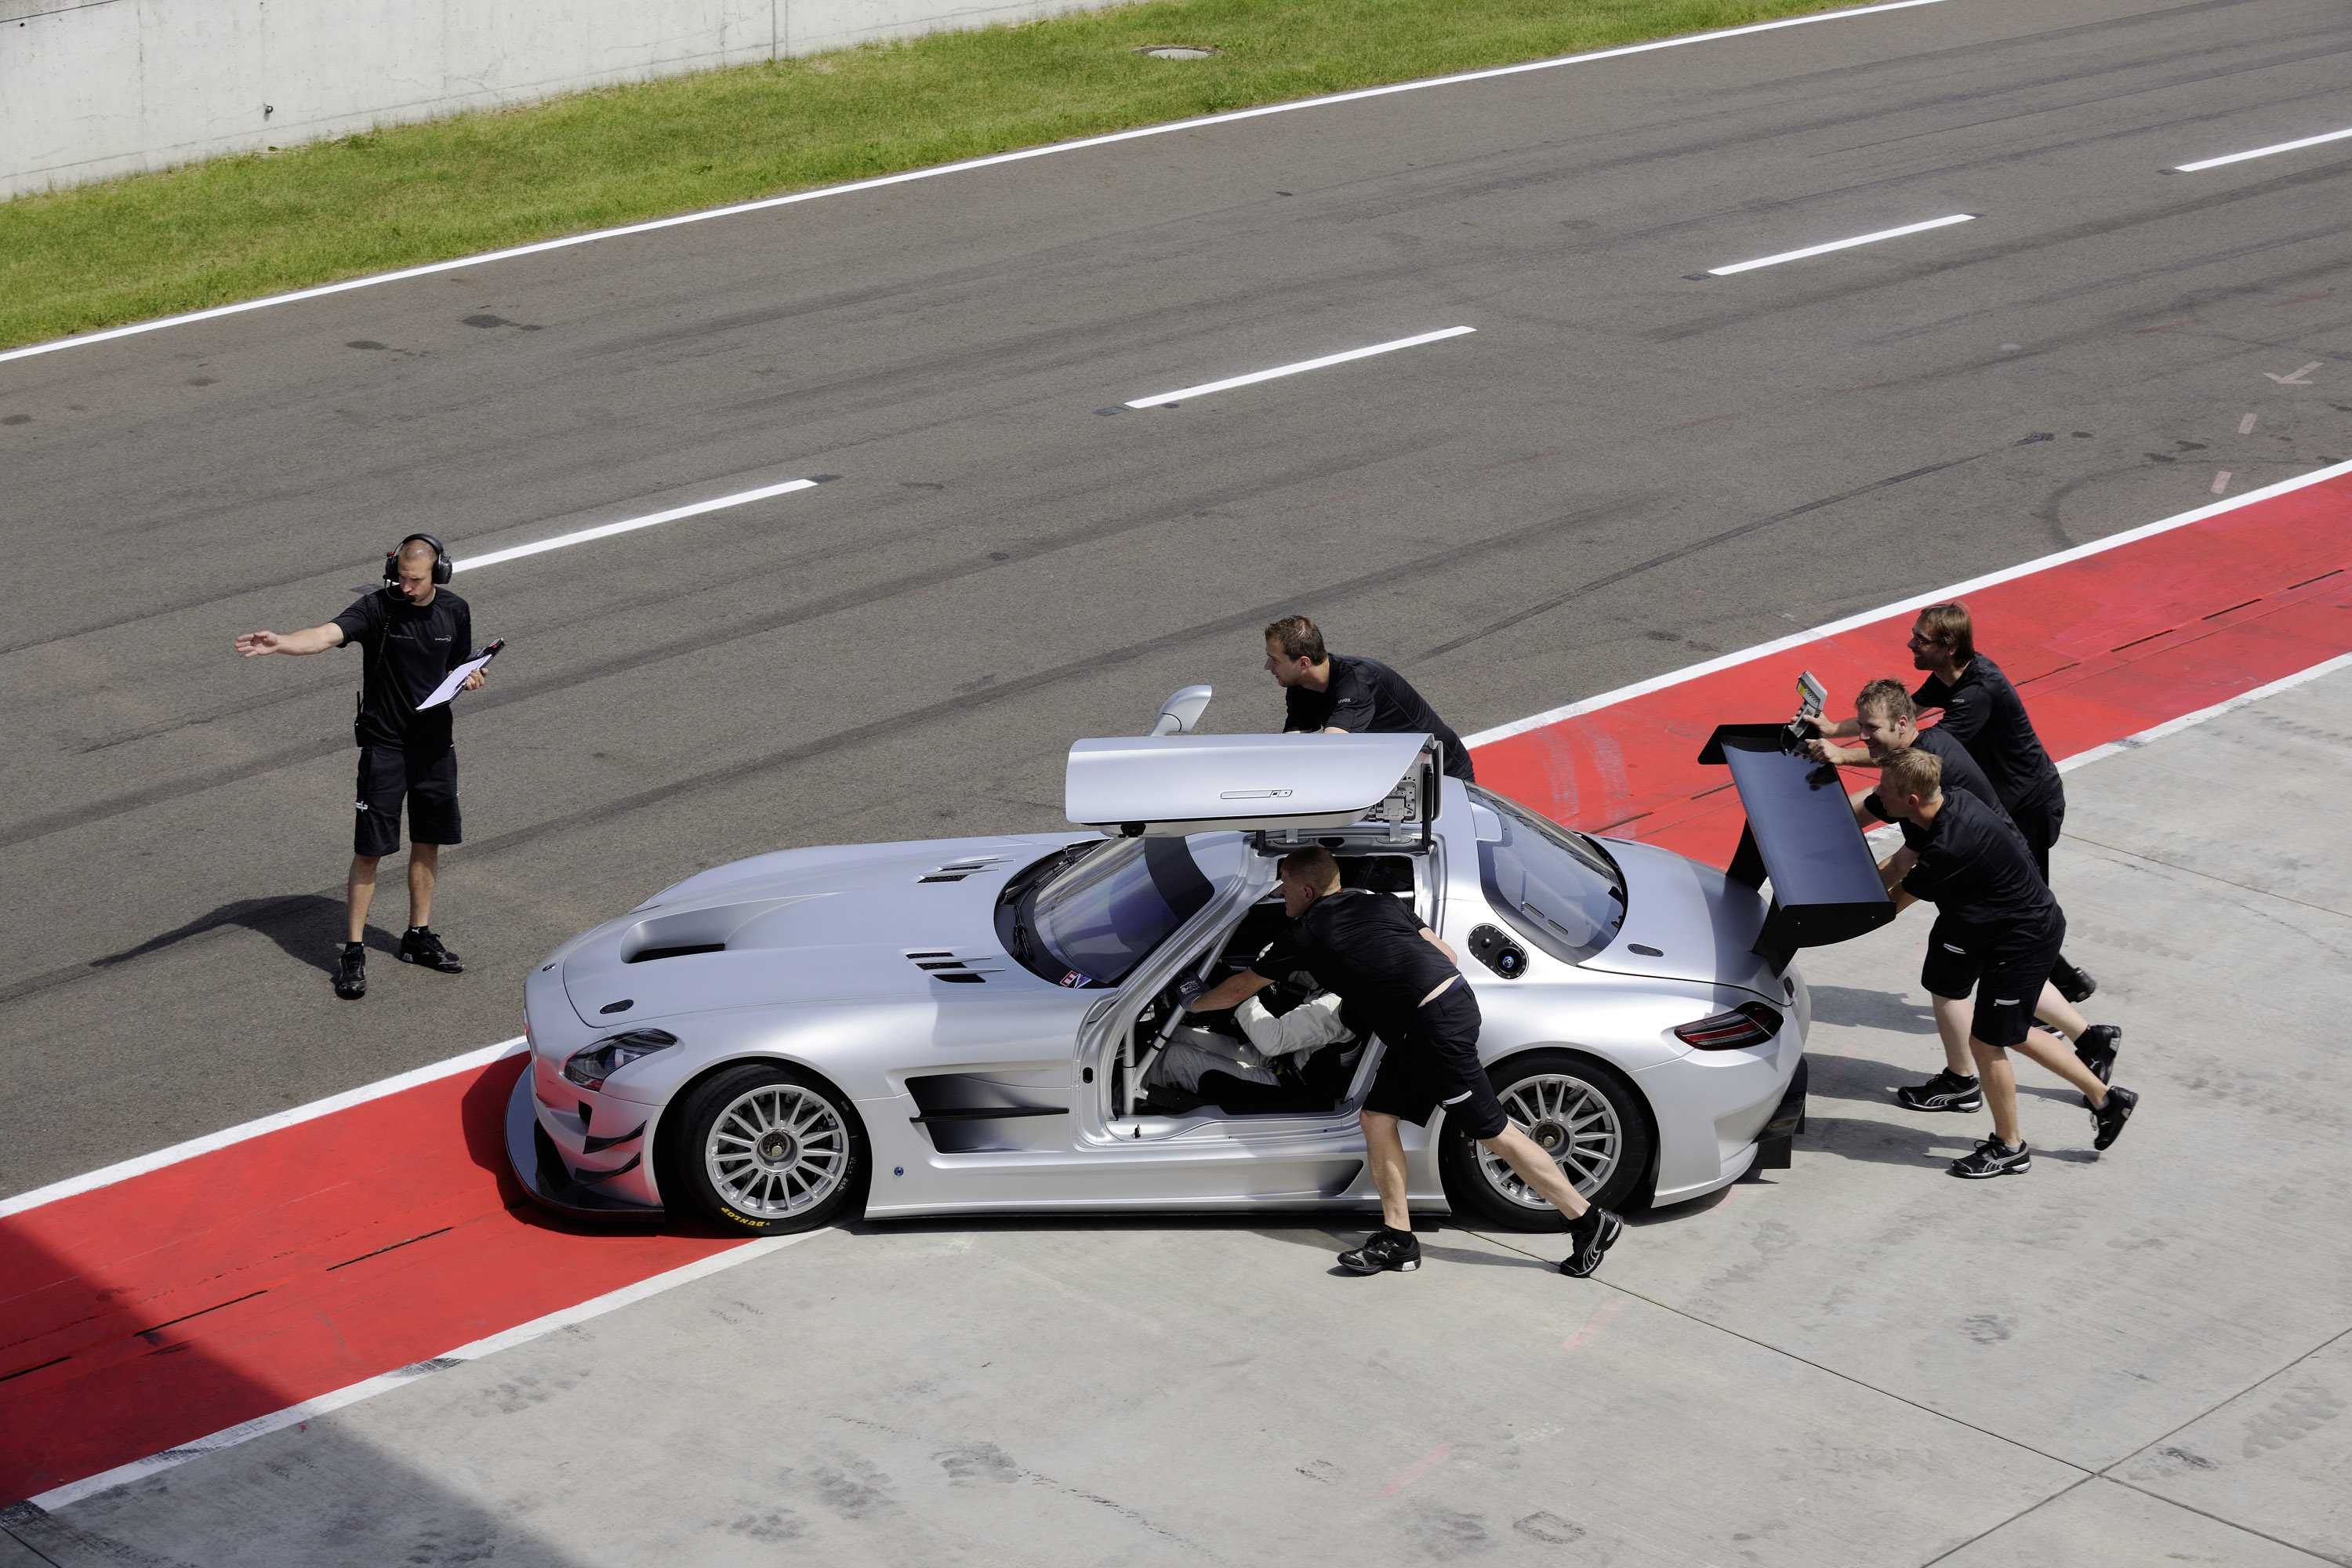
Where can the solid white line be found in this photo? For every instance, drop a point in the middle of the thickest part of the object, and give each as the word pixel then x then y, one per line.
pixel 1202 122
pixel 607 530
pixel 1918 601
pixel 1162 399
pixel 124 1171
pixel 2174 726
pixel 1840 244
pixel 244 1431
pixel 2260 152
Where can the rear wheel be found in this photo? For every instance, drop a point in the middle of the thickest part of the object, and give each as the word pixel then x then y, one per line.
pixel 767 1149
pixel 1584 1114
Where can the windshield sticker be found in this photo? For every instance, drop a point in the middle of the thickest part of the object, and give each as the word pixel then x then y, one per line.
pixel 1074 979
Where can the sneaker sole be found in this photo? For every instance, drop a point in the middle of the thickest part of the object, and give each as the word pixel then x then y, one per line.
pixel 1964 1105
pixel 2017 1170
pixel 437 968
pixel 1380 1268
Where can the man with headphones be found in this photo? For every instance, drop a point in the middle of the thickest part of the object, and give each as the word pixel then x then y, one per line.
pixel 413 634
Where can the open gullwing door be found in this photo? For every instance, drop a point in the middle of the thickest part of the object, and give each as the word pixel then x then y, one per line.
pixel 1163 785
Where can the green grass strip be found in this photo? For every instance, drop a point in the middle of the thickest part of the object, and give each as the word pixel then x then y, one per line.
pixel 238 227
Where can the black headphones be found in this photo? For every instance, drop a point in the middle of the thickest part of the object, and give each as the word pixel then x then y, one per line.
pixel 440 560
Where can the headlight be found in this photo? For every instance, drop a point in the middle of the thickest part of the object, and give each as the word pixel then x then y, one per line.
pixel 591 1068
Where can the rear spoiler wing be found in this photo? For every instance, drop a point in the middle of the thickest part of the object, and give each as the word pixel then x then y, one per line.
pixel 1801 836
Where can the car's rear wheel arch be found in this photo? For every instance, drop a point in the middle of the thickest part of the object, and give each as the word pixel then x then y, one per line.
pixel 675 1145
pixel 1628 1182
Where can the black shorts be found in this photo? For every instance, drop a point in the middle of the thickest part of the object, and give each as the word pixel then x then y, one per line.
pixel 2006 969
pixel 1433 1061
pixel 428 781
pixel 2040 822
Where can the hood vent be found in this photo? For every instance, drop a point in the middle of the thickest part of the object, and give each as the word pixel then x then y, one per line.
pixel 649 954
pixel 947 966
pixel 957 870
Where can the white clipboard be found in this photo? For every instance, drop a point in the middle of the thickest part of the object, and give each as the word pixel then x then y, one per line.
pixel 456 679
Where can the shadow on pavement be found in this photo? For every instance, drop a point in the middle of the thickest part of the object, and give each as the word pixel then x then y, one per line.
pixel 305 926
pixel 1851 1007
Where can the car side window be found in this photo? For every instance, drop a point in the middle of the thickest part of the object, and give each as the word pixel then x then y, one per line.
pixel 1554 888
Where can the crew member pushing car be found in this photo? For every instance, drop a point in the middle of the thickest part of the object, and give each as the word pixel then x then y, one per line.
pixel 1997 930
pixel 1331 694
pixel 410 634
pixel 1983 711
pixel 1395 979
pixel 1886 719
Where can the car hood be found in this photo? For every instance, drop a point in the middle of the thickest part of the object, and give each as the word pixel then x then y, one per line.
pixel 865 922
pixel 1699 923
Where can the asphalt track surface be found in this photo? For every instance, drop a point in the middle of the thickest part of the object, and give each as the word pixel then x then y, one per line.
pixel 1621 471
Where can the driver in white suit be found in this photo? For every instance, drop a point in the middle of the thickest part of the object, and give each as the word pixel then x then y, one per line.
pixel 1275 1040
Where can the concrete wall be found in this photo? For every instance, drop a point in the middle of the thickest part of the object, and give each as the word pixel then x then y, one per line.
pixel 103 88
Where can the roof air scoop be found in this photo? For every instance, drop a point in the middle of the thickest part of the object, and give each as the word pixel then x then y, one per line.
pixel 1182 711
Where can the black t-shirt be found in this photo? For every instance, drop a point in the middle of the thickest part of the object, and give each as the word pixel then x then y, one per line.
pixel 1983 712
pixel 1960 773
pixel 1974 867
pixel 1366 696
pixel 1367 947
pixel 408 652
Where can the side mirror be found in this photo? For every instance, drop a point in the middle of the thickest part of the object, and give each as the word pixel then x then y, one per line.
pixel 1182 711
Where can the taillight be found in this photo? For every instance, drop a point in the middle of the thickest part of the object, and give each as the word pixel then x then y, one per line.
pixel 1749 1023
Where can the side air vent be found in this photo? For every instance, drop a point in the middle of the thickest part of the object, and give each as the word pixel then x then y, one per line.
pixel 957 870
pixel 947 966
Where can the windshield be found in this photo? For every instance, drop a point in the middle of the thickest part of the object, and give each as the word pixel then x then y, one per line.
pixel 1555 888
pixel 1100 918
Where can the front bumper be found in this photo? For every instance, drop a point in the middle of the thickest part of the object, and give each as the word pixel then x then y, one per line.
pixel 540 1167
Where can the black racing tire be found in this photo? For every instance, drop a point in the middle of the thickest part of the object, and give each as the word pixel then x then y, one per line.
pixel 1564 1100
pixel 769 1150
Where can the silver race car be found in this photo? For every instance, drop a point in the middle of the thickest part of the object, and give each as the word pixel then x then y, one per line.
pixel 974 1025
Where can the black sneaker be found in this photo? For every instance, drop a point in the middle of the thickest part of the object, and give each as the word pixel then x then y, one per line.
pixel 1993 1158
pixel 2107 1120
pixel 2078 988
pixel 1590 1234
pixel 1384 1248
pixel 351 971
pixel 419 945
pixel 1947 1091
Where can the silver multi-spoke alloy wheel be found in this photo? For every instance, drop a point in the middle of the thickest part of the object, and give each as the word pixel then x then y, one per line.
pixel 1570 1120
pixel 776 1150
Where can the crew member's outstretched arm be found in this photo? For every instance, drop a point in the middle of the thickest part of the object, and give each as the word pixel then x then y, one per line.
pixel 318 639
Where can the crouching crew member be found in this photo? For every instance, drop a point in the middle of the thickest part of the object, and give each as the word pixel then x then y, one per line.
pixel 1887 719
pixel 1998 930
pixel 1395 979
pixel 1325 693
pixel 411 635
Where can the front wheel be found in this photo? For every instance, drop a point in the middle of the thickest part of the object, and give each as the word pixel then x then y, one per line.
pixel 769 1150
pixel 1584 1114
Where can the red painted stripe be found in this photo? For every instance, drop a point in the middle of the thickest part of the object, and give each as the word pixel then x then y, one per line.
pixel 2101 647
pixel 249 1270
pixel 185 1299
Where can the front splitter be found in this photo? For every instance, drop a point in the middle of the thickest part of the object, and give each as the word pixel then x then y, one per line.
pixel 541 1171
